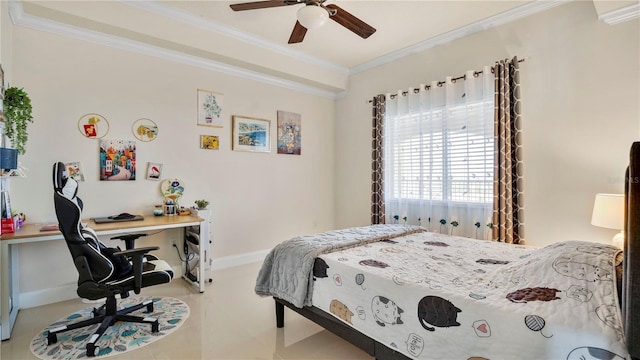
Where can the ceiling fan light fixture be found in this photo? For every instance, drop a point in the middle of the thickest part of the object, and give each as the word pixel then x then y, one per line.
pixel 312 16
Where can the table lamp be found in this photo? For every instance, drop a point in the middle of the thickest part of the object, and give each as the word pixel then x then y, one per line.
pixel 608 212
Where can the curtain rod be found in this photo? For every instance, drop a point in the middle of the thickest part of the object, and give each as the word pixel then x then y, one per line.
pixel 440 83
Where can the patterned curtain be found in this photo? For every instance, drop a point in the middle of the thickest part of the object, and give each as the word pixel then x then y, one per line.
pixel 508 220
pixel 377 168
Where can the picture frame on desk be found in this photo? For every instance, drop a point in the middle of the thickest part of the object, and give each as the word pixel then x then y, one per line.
pixel 75 170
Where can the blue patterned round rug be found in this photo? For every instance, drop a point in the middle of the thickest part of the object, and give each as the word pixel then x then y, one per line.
pixel 119 338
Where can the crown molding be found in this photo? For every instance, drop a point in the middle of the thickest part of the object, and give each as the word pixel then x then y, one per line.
pixel 621 15
pixel 186 17
pixel 496 20
pixel 20 18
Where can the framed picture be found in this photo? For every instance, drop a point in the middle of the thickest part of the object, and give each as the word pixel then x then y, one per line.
pixel 209 142
pixel 251 134
pixel 75 170
pixel 117 160
pixel 154 171
pixel 93 125
pixel 209 108
pixel 289 133
pixel 144 129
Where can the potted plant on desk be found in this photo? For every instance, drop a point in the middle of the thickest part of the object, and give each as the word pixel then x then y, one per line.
pixel 202 204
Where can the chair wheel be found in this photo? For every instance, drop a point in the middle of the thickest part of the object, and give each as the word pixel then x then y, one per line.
pixel 92 350
pixel 51 338
pixel 155 326
pixel 150 308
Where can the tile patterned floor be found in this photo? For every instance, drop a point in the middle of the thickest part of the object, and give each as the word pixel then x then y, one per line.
pixel 228 321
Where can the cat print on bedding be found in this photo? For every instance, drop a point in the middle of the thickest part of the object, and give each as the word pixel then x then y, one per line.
pixel 592 353
pixel 320 268
pixel 608 315
pixel 579 293
pixel 386 311
pixel 436 243
pixel 436 311
pixel 340 310
pixel 580 270
pixel 492 262
pixel 533 294
pixel 373 263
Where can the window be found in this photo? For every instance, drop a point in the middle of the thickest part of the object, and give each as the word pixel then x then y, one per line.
pixel 441 153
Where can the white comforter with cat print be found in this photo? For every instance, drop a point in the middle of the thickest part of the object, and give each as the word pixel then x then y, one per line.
pixel 432 296
pixel 287 270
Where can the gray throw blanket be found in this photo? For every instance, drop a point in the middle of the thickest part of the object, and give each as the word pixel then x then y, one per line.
pixel 287 271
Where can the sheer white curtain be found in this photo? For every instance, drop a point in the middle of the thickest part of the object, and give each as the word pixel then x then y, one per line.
pixel 439 155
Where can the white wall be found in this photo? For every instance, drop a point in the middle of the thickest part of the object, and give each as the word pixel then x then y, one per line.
pixel 580 102
pixel 257 199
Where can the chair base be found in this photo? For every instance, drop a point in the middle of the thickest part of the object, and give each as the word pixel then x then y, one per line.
pixel 106 316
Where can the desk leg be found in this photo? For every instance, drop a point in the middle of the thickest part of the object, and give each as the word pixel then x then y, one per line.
pixel 5 272
pixel 10 289
pixel 204 237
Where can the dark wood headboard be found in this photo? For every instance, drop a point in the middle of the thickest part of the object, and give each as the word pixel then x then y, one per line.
pixel 631 274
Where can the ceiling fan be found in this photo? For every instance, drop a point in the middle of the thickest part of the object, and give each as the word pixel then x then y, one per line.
pixel 313 15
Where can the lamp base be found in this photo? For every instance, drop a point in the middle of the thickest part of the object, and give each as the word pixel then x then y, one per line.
pixel 618 240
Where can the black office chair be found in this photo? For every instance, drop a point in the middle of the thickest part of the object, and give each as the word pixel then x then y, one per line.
pixel 103 272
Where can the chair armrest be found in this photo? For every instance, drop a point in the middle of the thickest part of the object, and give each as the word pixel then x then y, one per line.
pixel 137 251
pixel 136 255
pixel 129 239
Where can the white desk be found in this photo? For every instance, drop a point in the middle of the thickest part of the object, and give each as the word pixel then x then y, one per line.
pixel 9 277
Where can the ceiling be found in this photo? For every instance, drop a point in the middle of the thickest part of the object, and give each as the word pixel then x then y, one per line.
pixel 254 42
pixel 399 24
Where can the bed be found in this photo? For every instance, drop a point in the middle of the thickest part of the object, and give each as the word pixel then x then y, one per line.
pixel 467 299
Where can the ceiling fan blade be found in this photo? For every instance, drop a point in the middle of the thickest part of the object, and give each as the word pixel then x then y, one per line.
pixel 298 33
pixel 262 4
pixel 351 22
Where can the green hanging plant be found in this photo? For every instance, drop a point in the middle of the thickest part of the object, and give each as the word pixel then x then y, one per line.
pixel 17 114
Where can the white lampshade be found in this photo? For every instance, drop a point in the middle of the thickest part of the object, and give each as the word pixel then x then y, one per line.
pixel 608 212
pixel 312 16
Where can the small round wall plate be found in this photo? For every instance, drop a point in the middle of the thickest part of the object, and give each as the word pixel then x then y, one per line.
pixel 144 129
pixel 93 125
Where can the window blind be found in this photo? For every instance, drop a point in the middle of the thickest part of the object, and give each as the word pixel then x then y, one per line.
pixel 442 153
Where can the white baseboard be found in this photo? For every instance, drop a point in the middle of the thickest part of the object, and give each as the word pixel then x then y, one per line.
pixel 68 291
pixel 237 260
pixel 48 296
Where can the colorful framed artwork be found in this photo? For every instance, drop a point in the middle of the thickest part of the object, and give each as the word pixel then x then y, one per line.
pixel 154 171
pixel 75 170
pixel 93 125
pixel 209 142
pixel 289 133
pixel 144 129
pixel 251 134
pixel 117 160
pixel 209 108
